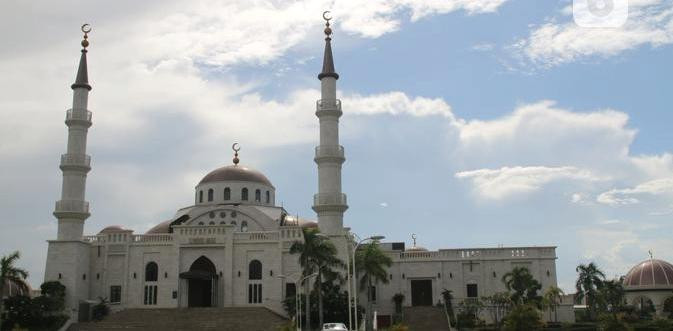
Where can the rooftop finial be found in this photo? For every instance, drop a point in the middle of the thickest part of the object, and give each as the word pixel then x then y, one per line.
pixel 236 148
pixel 413 237
pixel 328 61
pixel 651 255
pixel 327 18
pixel 86 28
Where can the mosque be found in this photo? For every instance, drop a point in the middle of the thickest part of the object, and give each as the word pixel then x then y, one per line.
pixel 230 248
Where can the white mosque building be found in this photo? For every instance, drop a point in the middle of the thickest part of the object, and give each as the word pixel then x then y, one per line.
pixel 231 247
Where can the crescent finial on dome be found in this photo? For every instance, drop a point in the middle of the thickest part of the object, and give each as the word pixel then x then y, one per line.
pixel 236 147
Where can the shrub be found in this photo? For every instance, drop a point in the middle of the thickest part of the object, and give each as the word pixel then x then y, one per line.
pixel 612 322
pixel 523 317
pixel 100 310
pixel 399 327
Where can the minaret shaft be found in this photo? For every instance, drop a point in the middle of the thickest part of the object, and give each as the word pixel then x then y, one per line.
pixel 330 203
pixel 72 210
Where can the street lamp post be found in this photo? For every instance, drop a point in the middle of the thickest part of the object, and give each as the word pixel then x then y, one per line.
pixel 297 295
pixel 355 278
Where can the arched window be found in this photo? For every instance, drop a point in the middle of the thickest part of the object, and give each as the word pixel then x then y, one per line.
pixel 244 226
pixel 255 286
pixel 227 193
pixel 200 196
pixel 255 270
pixel 244 194
pixel 258 195
pixel 151 272
pixel 268 197
pixel 210 194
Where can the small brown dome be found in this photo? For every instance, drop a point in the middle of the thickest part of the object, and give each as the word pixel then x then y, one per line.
pixel 235 173
pixel 163 227
pixel 112 228
pixel 650 274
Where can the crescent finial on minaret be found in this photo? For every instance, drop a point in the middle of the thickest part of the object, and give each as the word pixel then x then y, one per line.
pixel 86 28
pixel 327 18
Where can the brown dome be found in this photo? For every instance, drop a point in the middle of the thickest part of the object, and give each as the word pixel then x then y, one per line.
pixel 235 173
pixel 112 228
pixel 163 227
pixel 650 274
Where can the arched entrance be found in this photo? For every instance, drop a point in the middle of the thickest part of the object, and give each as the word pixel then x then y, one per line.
pixel 202 282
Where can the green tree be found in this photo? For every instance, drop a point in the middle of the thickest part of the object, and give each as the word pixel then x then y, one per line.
pixel 552 299
pixel 589 279
pixel 447 295
pixel 317 255
pixel 398 299
pixel 468 313
pixel 372 262
pixel 10 274
pixel 523 317
pixel 498 305
pixel 522 286
pixel 611 296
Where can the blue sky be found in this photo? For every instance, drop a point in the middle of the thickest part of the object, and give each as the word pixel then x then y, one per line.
pixel 472 123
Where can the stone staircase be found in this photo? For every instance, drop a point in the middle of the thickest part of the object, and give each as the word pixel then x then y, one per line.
pixel 425 318
pixel 187 319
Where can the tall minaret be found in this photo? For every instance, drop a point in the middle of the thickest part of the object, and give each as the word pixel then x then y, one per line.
pixel 329 203
pixel 72 209
pixel 68 255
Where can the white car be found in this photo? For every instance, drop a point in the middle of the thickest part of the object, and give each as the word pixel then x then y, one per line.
pixel 334 327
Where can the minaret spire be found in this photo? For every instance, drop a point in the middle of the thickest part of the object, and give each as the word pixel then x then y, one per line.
pixel 328 59
pixel 330 202
pixel 82 79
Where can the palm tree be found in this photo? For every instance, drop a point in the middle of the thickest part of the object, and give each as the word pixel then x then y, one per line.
pixel 317 255
pixel 9 274
pixel 523 285
pixel 373 262
pixel 552 298
pixel 589 279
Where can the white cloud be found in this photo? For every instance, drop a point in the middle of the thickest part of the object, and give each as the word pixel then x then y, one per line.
pixel 617 245
pixel 504 182
pixel 650 23
pixel 383 204
pixel 397 103
pixel 630 195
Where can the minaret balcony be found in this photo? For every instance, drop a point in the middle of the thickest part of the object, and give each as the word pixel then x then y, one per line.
pixel 78 115
pixel 76 160
pixel 329 152
pixel 328 104
pixel 336 199
pixel 71 206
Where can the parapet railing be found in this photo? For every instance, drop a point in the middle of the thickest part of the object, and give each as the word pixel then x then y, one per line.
pixel 76 206
pixel 256 236
pixel 475 254
pixel 329 199
pixel 78 115
pixel 326 151
pixel 328 104
pixel 76 159
pixel 152 238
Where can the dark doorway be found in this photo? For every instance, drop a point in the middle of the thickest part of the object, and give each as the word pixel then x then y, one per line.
pixel 421 292
pixel 201 278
